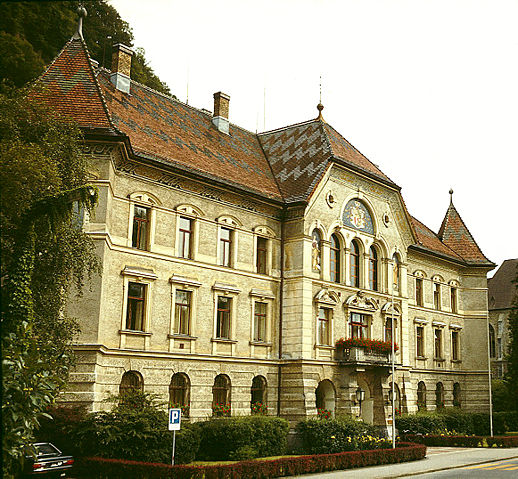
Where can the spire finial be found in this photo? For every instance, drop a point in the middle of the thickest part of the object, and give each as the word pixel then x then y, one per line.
pixel 320 107
pixel 81 11
pixel 451 196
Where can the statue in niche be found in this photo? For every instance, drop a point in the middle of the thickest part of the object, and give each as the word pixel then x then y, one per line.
pixel 315 251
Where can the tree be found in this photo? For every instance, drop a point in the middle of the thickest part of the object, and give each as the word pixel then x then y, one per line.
pixel 45 256
pixel 33 33
pixel 511 378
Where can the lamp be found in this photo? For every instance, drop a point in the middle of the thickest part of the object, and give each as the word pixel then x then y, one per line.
pixel 360 396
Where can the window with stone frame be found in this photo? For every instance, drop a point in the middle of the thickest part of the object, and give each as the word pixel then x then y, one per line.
pixel 260 318
pixel 179 392
pixel 182 312
pixel 437 296
pixel 437 338
pixel 221 395
pixel 334 259
pixel 223 317
pixel 359 325
pixel 373 269
pixel 136 306
pixel 258 402
pixel 419 332
pixel 457 402
pixel 492 342
pixel 455 345
pixel 419 300
pixel 453 299
pixel 439 395
pixel 354 264
pixel 261 254
pixel 185 237
pixel 131 382
pixel 225 247
pixel 141 221
pixel 421 396
pixel 388 330
pixel 324 326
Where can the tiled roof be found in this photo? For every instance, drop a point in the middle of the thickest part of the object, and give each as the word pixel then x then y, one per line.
pixel 455 235
pixel 165 128
pixel 71 89
pixel 429 240
pixel 502 290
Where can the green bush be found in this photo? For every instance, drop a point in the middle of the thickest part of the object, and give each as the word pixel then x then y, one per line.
pixel 242 437
pixel 420 423
pixel 332 436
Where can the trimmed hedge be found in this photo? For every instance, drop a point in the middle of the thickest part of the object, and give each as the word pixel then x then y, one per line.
pixel 463 441
pixel 99 468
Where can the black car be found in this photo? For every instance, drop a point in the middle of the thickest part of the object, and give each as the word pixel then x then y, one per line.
pixel 46 460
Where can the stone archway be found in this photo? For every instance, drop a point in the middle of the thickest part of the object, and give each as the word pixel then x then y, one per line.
pixel 367 407
pixel 326 396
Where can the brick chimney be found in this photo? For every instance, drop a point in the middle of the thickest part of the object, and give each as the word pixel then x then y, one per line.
pixel 221 106
pixel 121 67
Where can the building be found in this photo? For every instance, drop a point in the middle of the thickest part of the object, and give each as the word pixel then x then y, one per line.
pixel 501 294
pixel 233 262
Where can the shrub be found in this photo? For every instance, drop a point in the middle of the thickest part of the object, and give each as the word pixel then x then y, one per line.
pixel 331 436
pixel 223 438
pixel 464 441
pixel 420 423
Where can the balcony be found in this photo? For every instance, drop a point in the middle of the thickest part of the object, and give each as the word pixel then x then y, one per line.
pixel 362 356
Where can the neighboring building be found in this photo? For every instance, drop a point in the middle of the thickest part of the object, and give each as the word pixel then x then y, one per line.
pixel 501 294
pixel 234 261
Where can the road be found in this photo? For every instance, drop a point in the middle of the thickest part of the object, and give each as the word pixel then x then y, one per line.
pixel 489 470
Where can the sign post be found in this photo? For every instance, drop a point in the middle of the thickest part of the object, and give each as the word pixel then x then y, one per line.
pixel 175 417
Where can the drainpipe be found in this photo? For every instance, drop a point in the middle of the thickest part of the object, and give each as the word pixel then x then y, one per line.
pixel 281 299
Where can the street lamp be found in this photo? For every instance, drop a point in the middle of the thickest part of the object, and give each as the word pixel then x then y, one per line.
pixel 360 396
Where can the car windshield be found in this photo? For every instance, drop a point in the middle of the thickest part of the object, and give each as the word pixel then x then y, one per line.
pixel 45 449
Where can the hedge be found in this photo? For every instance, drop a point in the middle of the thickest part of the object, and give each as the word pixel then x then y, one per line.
pixel 463 441
pixel 100 468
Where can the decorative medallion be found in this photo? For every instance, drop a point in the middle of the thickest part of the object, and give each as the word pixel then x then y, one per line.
pixel 386 219
pixel 357 216
pixel 331 200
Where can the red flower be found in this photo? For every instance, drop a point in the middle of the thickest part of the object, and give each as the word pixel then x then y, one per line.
pixel 373 345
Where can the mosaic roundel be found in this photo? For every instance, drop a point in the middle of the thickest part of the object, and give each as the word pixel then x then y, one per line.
pixel 357 216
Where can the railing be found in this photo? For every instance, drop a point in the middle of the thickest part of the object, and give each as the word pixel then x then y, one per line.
pixel 361 355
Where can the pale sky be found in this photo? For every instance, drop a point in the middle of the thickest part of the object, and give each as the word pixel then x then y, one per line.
pixel 426 89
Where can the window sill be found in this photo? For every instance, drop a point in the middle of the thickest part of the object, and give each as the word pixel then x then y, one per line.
pixel 421 358
pixel 130 332
pixel 223 340
pixel 260 343
pixel 185 337
pixel 456 360
pixel 324 346
pixel 439 360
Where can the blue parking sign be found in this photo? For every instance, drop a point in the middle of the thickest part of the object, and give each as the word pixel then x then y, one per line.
pixel 175 416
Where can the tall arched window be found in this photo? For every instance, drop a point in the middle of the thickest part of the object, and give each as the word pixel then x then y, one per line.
pixel 221 396
pixel 179 392
pixel 335 259
pixel 492 342
pixel 421 396
pixel 325 398
pixel 396 274
pixel 456 395
pixel 131 382
pixel 316 248
pixel 258 403
pixel 439 396
pixel 354 265
pixel 373 269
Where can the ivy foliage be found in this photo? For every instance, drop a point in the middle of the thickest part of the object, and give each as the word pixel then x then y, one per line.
pixel 33 33
pixel 45 256
pixel 511 378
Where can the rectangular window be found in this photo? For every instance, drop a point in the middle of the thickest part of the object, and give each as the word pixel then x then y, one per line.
pixel 437 350
pixel 453 299
pixel 185 237
pixel 323 326
pixel 437 296
pixel 260 321
pixel 455 345
pixel 419 334
pixel 359 325
pixel 136 306
pixel 182 312
pixel 225 246
pixel 223 317
pixel 140 227
pixel 261 255
pixel 419 291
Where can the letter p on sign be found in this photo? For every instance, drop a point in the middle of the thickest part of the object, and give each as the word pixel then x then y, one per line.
pixel 175 416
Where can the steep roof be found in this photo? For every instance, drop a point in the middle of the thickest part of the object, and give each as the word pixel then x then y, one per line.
pixel 71 88
pixel 455 234
pixel 502 290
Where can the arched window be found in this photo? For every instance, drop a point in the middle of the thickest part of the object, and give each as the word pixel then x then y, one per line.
pixel 421 396
pixel 335 259
pixel 179 392
pixel 131 382
pixel 373 269
pixel 492 342
pixel 456 395
pixel 388 330
pixel 397 397
pixel 439 396
pixel 325 398
pixel 396 273
pixel 316 248
pixel 354 265
pixel 221 396
pixel 258 403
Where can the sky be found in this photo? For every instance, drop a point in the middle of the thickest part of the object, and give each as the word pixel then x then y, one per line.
pixel 426 89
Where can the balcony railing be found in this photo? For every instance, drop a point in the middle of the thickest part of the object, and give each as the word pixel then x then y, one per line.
pixel 362 356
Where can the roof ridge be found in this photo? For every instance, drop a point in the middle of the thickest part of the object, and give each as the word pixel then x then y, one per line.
pixel 287 127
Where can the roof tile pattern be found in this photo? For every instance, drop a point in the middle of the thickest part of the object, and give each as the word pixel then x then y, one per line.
pixel 502 290
pixel 429 240
pixel 71 88
pixel 299 155
pixel 162 127
pixel 454 234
